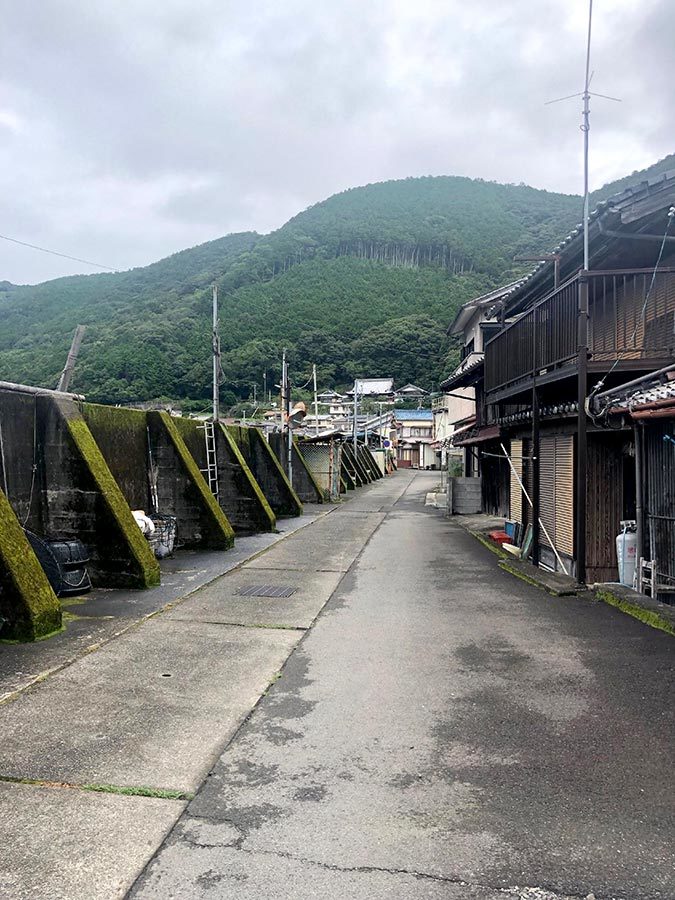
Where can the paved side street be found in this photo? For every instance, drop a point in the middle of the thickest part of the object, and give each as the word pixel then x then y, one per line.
pixel 439 730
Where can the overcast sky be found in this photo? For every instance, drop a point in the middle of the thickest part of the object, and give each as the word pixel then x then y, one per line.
pixel 130 129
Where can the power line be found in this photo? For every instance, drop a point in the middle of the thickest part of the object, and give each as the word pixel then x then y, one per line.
pixel 87 262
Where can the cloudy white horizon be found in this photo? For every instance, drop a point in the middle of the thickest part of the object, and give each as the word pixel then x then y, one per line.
pixel 131 130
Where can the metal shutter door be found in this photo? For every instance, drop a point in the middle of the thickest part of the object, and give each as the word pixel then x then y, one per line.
pixel 516 498
pixel 564 494
pixel 547 487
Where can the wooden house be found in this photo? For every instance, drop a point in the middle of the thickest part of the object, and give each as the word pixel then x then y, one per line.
pixel 566 335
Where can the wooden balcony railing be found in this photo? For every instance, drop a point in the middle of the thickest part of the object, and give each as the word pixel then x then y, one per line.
pixel 629 317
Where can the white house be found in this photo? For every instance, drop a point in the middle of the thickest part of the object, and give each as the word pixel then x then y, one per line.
pixel 476 322
pixel 415 438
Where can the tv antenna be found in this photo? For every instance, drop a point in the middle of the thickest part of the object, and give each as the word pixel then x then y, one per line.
pixel 585 124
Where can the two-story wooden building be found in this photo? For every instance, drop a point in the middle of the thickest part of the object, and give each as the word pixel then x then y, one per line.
pixel 566 335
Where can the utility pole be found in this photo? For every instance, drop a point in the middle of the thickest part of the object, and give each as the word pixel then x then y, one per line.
pixel 356 406
pixel 216 356
pixel 316 401
pixel 286 410
pixel 67 374
pixel 265 385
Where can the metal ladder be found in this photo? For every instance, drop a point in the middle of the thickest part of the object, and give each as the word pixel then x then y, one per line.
pixel 211 470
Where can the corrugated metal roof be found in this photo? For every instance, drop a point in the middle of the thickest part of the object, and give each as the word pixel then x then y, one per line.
pixel 373 386
pixel 414 415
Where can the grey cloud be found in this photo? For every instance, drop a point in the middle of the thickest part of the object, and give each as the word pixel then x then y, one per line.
pixel 148 127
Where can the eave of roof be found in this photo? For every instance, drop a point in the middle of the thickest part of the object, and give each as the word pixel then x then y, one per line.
pixel 465 312
pixel 466 378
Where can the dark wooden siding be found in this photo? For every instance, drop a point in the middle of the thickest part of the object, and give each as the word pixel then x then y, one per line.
pixel 604 504
pixel 660 471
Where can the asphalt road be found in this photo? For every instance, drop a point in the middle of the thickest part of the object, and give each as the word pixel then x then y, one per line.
pixel 442 731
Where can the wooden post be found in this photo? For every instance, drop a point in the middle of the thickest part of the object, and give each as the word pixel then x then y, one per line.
pixel 67 374
pixel 535 476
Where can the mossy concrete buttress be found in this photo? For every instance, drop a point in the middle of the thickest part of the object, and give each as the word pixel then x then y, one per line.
pixel 221 533
pixel 355 469
pixel 293 505
pixel 377 471
pixel 266 511
pixel 239 494
pixel 27 601
pixel 346 476
pixel 145 568
pixel 267 470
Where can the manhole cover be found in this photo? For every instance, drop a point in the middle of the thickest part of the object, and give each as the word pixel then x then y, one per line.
pixel 266 590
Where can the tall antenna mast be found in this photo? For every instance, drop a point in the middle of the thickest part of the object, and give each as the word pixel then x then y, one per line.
pixel 586 94
pixel 586 126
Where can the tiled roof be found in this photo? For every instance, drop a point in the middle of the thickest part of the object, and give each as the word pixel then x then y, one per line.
pixel 654 394
pixel 616 200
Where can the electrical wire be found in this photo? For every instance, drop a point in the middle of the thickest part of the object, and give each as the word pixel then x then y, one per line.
pixel 87 262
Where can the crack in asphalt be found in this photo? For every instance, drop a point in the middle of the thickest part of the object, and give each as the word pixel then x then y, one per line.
pixel 528 892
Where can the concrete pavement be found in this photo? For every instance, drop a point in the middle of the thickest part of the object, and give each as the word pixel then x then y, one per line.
pixel 102 745
pixel 444 730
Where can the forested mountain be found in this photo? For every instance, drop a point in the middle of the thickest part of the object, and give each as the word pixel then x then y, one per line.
pixel 363 283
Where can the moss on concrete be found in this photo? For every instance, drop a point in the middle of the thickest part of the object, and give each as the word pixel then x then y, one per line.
pixel 222 531
pixel 27 600
pixel 650 617
pixel 117 421
pixel 486 542
pixel 122 437
pixel 141 556
pixel 266 510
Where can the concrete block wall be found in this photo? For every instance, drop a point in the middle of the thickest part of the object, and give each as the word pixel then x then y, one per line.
pixel 21 458
pixel 466 496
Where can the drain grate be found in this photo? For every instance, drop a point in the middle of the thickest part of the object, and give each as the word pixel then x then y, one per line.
pixel 267 590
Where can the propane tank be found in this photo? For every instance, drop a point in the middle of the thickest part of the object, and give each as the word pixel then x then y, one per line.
pixel 626 552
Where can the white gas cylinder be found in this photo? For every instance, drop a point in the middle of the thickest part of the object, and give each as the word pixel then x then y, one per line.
pixel 626 553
